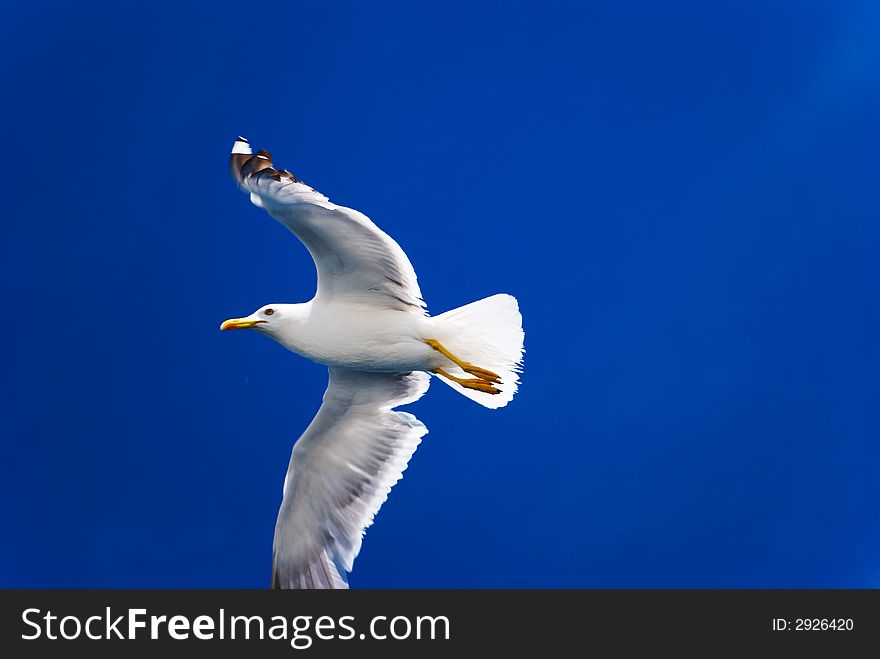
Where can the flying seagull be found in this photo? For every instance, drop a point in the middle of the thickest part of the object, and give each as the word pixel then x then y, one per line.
pixel 368 324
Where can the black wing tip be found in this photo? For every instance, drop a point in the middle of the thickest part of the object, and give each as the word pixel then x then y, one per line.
pixel 244 163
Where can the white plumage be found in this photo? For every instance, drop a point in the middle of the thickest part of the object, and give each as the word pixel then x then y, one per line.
pixel 368 324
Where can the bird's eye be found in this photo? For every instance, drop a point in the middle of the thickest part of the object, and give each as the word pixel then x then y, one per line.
pixel 269 312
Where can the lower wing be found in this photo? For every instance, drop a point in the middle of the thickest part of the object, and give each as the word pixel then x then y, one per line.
pixel 340 473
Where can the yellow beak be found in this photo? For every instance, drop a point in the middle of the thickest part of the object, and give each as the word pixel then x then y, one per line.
pixel 240 323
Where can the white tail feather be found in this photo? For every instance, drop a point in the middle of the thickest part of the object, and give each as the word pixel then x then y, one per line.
pixel 487 333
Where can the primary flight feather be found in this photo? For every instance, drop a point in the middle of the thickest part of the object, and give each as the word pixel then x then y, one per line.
pixel 368 324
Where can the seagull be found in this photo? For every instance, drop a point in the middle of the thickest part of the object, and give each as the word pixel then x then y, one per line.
pixel 369 325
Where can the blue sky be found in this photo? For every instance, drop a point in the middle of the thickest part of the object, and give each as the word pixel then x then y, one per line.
pixel 682 196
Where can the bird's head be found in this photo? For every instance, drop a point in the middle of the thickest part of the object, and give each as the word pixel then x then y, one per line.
pixel 266 319
pixel 280 322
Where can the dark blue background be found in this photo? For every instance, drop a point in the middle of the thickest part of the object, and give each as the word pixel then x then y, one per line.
pixel 682 195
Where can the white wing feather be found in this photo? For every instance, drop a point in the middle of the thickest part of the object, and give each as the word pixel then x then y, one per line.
pixel 340 473
pixel 356 261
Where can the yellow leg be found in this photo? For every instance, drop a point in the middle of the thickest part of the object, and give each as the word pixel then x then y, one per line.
pixel 476 371
pixel 476 383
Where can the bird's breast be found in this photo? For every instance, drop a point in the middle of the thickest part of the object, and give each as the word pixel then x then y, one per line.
pixel 363 338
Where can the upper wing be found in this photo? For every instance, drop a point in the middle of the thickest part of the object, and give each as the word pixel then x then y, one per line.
pixel 340 474
pixel 356 261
